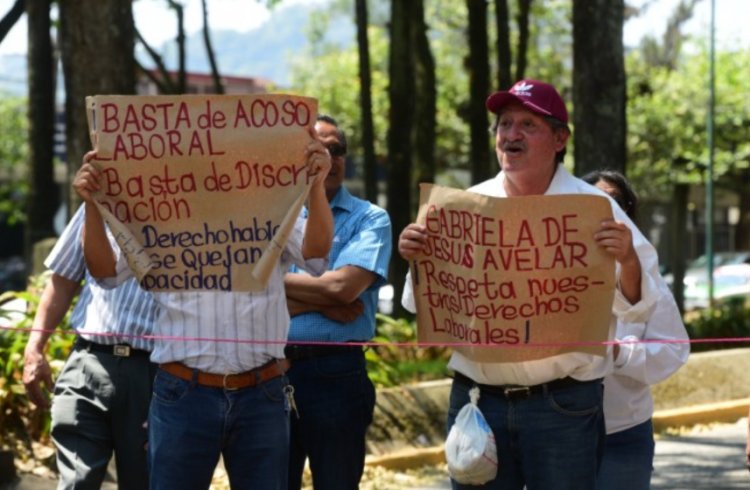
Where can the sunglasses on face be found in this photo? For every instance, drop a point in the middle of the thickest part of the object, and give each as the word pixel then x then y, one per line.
pixel 336 150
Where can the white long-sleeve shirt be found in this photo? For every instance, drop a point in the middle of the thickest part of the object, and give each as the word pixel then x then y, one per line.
pixel 581 366
pixel 627 392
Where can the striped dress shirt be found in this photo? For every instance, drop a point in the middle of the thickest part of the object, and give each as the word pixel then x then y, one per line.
pixel 224 332
pixel 123 315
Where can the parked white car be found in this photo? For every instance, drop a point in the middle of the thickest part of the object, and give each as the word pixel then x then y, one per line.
pixel 730 281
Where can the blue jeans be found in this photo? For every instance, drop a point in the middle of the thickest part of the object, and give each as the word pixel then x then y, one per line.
pixel 628 459
pixel 191 425
pixel 550 440
pixel 335 400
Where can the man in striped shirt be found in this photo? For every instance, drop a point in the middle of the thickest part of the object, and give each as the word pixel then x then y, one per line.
pixel 102 395
pixel 220 389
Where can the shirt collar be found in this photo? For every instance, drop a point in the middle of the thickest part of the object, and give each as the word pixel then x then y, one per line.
pixel 343 200
pixel 556 186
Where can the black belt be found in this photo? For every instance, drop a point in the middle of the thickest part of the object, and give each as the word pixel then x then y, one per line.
pixel 300 352
pixel 119 350
pixel 518 392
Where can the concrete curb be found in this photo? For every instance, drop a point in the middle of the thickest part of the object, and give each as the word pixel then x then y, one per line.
pixel 730 411
pixel 726 412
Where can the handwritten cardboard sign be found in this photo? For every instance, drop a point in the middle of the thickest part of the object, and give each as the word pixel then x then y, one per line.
pixel 513 279
pixel 201 192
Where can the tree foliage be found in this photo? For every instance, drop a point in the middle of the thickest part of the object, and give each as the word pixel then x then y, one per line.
pixel 667 137
pixel 667 113
pixel 14 151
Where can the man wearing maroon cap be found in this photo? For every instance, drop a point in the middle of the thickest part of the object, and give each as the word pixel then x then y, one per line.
pixel 549 428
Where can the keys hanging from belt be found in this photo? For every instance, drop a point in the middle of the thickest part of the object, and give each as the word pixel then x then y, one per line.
pixel 289 392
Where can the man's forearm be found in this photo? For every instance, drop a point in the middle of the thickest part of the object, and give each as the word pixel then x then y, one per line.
pixel 319 228
pixel 56 298
pixel 100 258
pixel 312 290
pixel 630 281
pixel 334 288
pixel 297 307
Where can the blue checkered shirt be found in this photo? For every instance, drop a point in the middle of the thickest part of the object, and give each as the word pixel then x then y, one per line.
pixel 362 238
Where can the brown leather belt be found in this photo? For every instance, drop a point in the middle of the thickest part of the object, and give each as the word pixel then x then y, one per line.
pixel 267 371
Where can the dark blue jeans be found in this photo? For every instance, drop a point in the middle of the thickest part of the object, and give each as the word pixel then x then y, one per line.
pixel 628 459
pixel 550 440
pixel 191 425
pixel 335 400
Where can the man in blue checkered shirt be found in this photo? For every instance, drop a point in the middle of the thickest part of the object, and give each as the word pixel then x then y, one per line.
pixel 334 397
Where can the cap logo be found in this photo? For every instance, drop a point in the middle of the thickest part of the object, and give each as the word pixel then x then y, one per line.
pixel 523 88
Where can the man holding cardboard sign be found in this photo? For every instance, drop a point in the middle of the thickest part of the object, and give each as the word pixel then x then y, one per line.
pixel 534 261
pixel 220 389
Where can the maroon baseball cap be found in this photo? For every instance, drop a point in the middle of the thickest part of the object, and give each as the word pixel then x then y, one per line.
pixel 537 96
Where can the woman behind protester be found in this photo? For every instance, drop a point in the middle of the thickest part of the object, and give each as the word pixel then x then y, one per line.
pixel 628 405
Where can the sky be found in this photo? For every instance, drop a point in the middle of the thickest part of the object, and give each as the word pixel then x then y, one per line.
pixel 157 23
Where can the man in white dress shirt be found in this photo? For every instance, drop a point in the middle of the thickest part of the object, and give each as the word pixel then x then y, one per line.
pixel 549 428
pixel 214 398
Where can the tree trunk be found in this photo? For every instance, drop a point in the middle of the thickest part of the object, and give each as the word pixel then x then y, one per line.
pixel 218 86
pixel 599 90
pixel 96 41
pixel 479 87
pixel 44 194
pixel 504 57
pixel 426 101
pixel 742 235
pixel 524 7
pixel 181 79
pixel 365 104
pixel 10 18
pixel 679 238
pixel 401 94
pixel 165 84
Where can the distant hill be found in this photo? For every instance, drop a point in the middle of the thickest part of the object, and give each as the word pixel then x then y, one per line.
pixel 13 74
pixel 264 52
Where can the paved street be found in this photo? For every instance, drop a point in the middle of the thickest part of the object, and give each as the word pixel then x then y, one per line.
pixel 714 459
pixel 705 458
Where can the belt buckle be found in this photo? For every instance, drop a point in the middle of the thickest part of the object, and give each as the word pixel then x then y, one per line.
pixel 121 350
pixel 224 384
pixel 516 392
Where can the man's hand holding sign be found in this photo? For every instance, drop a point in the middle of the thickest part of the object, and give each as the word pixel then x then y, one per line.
pixel 510 273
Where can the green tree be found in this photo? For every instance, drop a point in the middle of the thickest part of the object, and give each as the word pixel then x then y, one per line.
pixel 14 152
pixel 667 138
pixel 331 75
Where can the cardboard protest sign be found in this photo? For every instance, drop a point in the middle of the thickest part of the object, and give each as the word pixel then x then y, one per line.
pixel 513 279
pixel 202 191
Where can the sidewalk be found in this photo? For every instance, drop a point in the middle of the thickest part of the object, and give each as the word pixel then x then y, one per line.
pixel 723 412
pixel 408 426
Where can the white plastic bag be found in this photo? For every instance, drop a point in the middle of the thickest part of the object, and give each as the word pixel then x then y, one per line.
pixel 470 449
